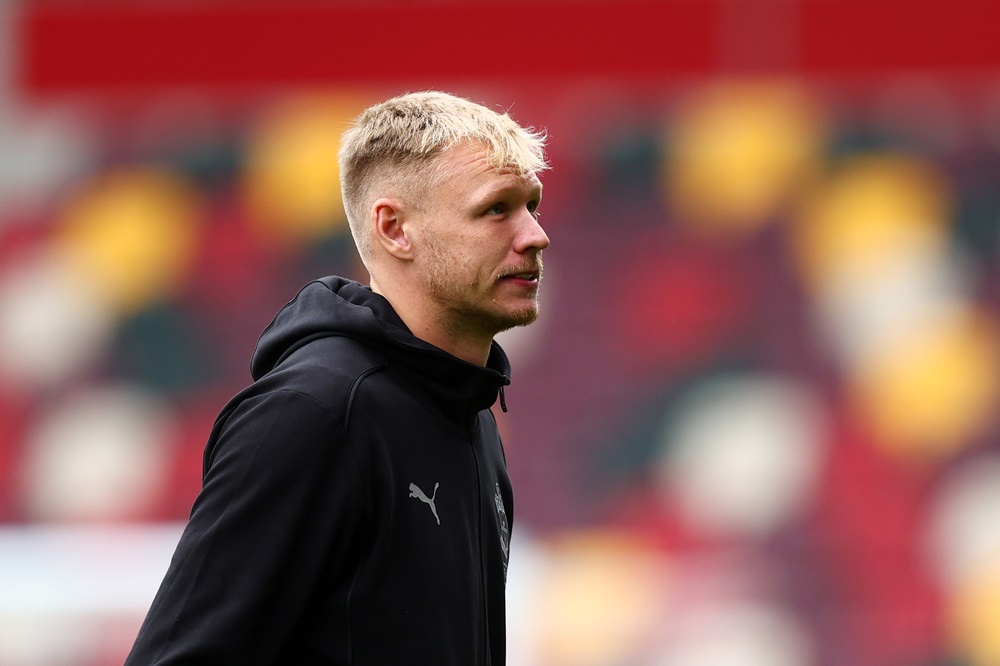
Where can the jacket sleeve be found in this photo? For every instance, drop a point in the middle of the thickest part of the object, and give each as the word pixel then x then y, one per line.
pixel 281 506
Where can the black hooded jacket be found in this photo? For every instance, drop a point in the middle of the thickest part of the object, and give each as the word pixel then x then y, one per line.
pixel 355 506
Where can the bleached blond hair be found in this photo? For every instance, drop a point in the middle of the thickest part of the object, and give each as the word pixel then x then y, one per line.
pixel 393 147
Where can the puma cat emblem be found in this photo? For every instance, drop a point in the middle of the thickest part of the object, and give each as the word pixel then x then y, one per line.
pixel 417 493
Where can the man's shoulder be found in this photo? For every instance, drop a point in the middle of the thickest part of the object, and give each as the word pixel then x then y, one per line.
pixel 339 353
pixel 327 369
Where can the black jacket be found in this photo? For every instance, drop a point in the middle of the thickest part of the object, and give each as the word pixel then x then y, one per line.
pixel 355 506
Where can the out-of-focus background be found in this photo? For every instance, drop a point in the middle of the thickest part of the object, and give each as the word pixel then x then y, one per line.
pixel 757 423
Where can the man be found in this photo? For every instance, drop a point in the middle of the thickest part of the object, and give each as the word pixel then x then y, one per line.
pixel 355 506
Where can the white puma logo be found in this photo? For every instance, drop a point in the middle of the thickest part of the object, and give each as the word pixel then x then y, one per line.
pixel 416 492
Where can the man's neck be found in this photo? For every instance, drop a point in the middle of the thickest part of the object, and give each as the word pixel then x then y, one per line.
pixel 466 346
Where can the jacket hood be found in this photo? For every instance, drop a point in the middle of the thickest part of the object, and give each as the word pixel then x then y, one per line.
pixel 335 306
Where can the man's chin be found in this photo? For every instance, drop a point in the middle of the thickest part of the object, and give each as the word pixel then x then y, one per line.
pixel 519 318
pixel 494 317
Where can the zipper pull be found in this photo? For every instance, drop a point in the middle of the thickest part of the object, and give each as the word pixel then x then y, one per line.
pixel 503 403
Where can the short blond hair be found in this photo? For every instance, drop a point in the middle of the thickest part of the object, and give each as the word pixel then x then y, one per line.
pixel 394 143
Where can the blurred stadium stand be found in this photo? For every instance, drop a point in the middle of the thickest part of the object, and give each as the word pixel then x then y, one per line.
pixel 757 423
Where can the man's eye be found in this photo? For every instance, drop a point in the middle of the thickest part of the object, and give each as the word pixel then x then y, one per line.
pixel 533 208
pixel 496 209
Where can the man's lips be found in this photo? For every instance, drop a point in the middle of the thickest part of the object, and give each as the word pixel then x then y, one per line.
pixel 528 275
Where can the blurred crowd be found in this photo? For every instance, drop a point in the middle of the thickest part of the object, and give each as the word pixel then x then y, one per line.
pixel 756 424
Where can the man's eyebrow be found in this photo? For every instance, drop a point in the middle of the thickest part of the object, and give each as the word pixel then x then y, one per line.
pixel 491 192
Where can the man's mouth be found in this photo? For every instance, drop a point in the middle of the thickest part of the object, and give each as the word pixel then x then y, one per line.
pixel 529 276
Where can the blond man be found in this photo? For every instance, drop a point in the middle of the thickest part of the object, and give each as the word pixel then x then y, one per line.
pixel 356 507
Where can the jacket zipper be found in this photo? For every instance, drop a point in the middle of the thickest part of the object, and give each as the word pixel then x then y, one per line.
pixel 482 557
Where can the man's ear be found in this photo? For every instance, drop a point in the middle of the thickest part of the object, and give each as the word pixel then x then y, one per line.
pixel 390 225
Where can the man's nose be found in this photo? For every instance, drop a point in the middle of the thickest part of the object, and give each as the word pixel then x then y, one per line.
pixel 531 235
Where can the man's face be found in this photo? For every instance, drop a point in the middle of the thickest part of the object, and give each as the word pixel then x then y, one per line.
pixel 480 255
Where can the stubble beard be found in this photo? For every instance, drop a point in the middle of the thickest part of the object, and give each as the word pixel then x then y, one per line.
pixel 469 307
